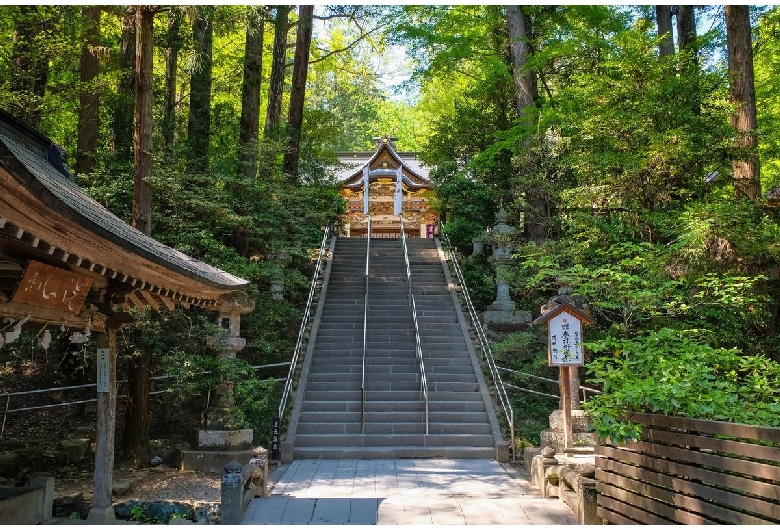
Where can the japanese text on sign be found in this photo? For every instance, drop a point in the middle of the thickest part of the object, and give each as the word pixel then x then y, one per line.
pixel 565 334
pixel 103 378
pixel 51 287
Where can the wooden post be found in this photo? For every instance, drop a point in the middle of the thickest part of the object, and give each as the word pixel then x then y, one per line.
pixel 102 512
pixel 566 398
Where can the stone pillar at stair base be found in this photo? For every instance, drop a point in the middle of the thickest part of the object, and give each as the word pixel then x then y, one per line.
pixel 215 445
pixel 554 436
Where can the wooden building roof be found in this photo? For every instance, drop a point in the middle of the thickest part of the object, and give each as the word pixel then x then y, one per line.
pixel 46 219
pixel 383 163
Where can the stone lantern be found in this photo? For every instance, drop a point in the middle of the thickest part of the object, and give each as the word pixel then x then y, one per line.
pixel 502 315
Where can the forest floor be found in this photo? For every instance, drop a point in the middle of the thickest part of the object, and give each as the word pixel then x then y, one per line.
pixel 31 441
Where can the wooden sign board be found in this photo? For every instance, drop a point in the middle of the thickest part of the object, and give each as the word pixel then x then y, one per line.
pixel 565 339
pixel 564 335
pixel 53 288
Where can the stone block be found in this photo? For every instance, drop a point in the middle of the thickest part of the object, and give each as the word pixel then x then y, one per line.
pixel 212 461
pixel 539 465
pixel 44 483
pixel 528 455
pixel 227 440
pixel 21 506
pixel 502 451
pixel 506 320
pixel 121 488
pixel 580 421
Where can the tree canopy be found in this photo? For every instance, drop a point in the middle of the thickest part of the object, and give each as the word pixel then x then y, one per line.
pixel 638 177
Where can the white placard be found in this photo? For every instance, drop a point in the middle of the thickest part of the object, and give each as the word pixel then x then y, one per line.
pixel 565 336
pixel 103 378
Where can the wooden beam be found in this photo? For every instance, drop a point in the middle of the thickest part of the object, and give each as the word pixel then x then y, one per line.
pixel 43 315
pixel 168 303
pixel 131 297
pixel 150 299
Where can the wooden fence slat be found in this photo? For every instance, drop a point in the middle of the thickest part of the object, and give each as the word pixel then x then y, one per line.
pixel 755 469
pixel 737 430
pixel 674 498
pixel 652 506
pixel 771 510
pixel 633 512
pixel 612 517
pixel 669 467
pixel 761 452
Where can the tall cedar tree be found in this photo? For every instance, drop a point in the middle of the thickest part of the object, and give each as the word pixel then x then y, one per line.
pixel 123 107
pixel 136 432
pixel 686 28
pixel 518 28
pixel 298 91
pixel 250 93
pixel 173 44
pixel 273 117
pixel 747 181
pixel 663 17
pixel 89 100
pixel 30 68
pixel 199 124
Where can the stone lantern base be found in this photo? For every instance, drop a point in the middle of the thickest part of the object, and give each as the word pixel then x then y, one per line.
pixel 215 449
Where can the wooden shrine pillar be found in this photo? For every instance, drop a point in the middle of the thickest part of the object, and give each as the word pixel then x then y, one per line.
pixel 102 512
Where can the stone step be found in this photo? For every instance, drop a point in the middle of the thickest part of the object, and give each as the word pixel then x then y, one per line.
pixel 392 452
pixel 394 428
pixel 394 406
pixel 393 440
pixel 411 416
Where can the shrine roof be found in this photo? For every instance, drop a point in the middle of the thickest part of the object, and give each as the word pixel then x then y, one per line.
pixel 350 173
pixel 42 206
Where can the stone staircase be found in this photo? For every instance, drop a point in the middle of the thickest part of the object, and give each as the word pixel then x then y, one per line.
pixel 326 419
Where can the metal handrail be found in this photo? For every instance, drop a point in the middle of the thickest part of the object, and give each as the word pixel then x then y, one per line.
pixel 584 389
pixel 365 334
pixel 304 323
pixel 418 342
pixel 487 353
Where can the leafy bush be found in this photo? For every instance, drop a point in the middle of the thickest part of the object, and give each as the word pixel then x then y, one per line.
pixel 678 373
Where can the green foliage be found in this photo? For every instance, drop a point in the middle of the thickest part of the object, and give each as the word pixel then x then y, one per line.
pixel 678 373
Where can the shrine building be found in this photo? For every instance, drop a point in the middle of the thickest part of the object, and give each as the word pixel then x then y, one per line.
pixel 382 167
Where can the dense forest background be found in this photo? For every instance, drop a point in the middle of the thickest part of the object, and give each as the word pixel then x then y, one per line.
pixel 636 146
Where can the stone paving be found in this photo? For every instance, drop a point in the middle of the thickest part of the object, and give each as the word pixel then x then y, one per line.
pixel 401 492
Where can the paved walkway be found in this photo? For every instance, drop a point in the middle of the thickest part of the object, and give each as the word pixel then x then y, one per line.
pixel 414 491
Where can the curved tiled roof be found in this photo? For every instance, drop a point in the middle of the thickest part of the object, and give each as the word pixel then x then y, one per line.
pixel 69 200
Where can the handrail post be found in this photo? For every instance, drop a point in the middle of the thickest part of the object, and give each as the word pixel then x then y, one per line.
pixel 487 353
pixel 304 322
pixel 417 341
pixel 365 334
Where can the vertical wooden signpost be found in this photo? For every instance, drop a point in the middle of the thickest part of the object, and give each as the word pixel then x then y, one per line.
pixel 564 349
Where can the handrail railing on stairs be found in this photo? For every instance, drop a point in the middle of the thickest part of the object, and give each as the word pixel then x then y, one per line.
pixel 365 334
pixel 304 323
pixel 487 353
pixel 418 343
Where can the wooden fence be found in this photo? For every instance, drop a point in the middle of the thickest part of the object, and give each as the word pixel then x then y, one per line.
pixel 686 471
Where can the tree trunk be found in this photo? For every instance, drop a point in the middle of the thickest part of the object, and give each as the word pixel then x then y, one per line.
pixel 30 68
pixel 686 28
pixel 298 91
pixel 89 99
pixel 250 93
pixel 747 182
pixel 273 117
pixel 123 109
pixel 199 125
pixel 136 433
pixel 174 44
pixel 663 17
pixel 519 29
